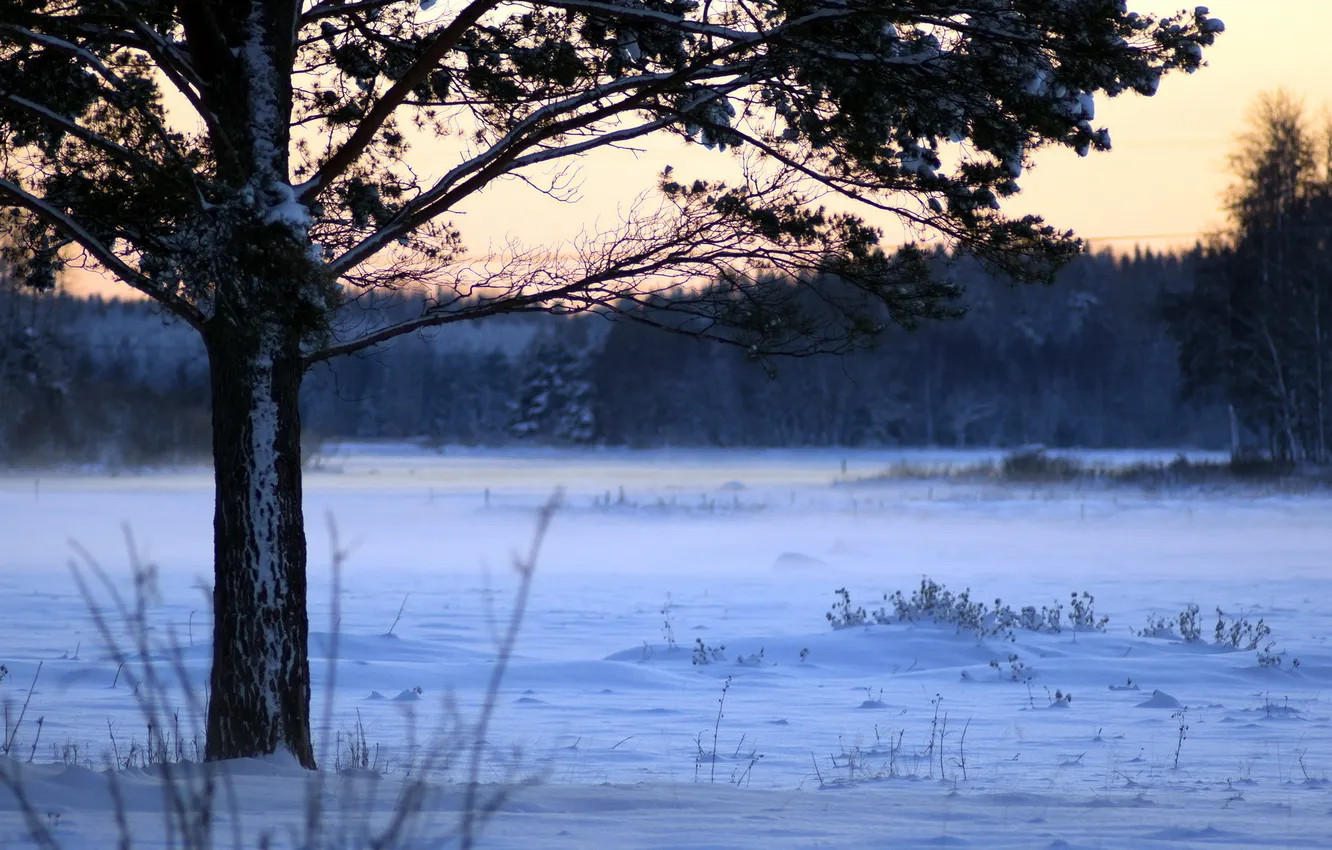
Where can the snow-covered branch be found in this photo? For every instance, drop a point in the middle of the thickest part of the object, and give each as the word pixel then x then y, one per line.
pixel 340 9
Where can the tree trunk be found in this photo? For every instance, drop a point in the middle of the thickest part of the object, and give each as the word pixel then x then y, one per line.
pixel 260 697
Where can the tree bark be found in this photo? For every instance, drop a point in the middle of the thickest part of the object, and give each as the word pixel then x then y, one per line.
pixel 260 685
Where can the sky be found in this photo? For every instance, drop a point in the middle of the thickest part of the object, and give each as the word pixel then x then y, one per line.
pixel 1161 185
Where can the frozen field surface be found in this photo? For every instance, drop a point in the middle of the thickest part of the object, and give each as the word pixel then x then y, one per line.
pixel 876 735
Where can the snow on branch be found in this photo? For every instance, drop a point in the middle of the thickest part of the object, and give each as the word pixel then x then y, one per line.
pixel 341 9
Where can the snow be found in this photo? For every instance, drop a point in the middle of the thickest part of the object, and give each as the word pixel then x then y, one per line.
pixel 276 197
pixel 263 95
pixel 915 161
pixel 265 509
pixel 287 210
pixel 741 550
pixel 1086 105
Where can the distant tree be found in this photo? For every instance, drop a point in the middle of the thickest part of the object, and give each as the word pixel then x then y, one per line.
pixel 32 366
pixel 249 167
pixel 555 401
pixel 1257 326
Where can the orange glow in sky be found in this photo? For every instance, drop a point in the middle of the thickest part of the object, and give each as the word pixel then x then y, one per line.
pixel 1161 185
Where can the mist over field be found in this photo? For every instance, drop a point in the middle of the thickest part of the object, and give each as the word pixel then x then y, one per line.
pixel 658 560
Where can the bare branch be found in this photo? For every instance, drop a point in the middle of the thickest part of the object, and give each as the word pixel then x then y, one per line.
pixel 579 148
pixel 735 41
pixel 431 320
pixel 667 247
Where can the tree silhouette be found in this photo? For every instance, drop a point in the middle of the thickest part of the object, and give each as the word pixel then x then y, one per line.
pixel 249 165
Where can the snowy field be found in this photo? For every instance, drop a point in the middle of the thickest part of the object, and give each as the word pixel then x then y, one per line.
pixel 900 735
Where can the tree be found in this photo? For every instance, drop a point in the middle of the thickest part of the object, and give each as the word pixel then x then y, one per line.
pixel 249 166
pixel 1257 326
pixel 554 400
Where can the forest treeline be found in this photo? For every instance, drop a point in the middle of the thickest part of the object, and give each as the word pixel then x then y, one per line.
pixel 1090 362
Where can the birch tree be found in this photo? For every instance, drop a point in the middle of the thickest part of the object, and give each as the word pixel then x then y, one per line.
pixel 1255 327
pixel 256 167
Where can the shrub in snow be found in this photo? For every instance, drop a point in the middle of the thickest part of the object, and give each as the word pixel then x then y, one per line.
pixel 1182 717
pixel 754 659
pixel 1034 465
pixel 932 602
pixel 1268 658
pixel 1157 627
pixel 1231 632
pixel 1083 614
pixel 1190 631
pixel 1045 620
pixel 1238 632
pixel 668 624
pixel 1014 669
pixel 842 615
pixel 704 654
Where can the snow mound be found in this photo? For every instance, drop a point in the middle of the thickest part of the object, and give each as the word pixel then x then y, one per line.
pixel 1160 699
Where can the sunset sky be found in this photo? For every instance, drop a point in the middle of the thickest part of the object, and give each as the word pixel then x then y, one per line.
pixel 1161 185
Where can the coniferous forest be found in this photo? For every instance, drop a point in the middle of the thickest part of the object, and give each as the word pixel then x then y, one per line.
pixel 1093 361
